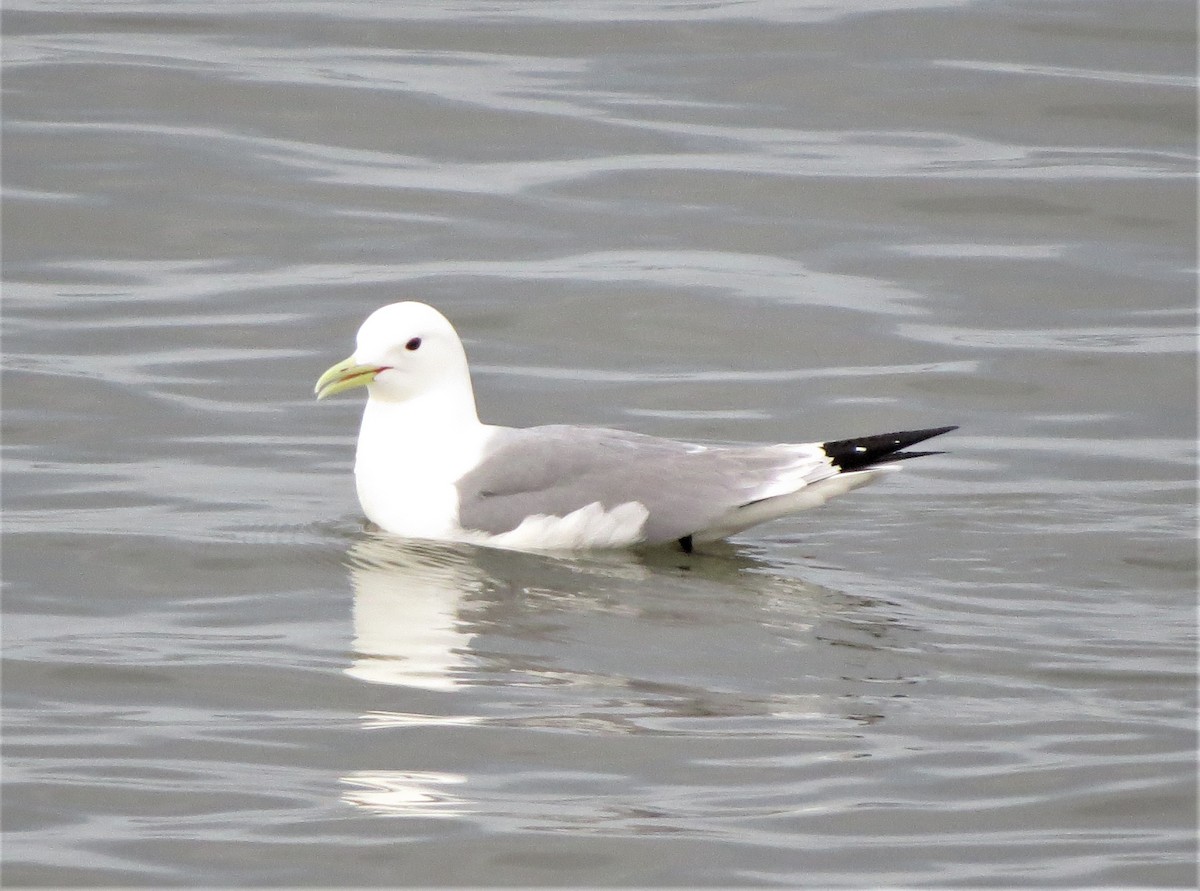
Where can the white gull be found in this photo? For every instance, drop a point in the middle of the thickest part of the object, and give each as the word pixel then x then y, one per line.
pixel 427 468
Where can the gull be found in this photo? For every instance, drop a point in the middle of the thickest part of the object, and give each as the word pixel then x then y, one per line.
pixel 427 468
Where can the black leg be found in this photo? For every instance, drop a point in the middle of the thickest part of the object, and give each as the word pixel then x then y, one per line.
pixel 686 544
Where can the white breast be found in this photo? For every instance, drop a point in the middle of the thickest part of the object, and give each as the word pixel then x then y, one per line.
pixel 405 471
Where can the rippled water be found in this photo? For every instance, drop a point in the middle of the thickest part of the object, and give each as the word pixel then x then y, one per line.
pixel 733 221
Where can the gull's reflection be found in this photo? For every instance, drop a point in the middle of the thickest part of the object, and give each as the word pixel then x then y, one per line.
pixel 407 600
pixel 439 616
pixel 717 646
pixel 414 601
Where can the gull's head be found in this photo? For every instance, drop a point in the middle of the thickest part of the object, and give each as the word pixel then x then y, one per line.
pixel 403 350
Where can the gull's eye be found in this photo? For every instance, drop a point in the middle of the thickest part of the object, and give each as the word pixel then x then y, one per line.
pixel 413 344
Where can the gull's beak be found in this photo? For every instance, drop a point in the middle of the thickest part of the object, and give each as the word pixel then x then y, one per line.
pixel 346 375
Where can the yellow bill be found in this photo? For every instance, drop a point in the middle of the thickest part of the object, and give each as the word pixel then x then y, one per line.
pixel 346 375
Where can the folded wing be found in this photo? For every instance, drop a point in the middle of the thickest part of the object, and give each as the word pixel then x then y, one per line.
pixel 685 491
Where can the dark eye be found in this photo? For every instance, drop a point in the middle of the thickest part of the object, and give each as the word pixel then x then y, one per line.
pixel 413 344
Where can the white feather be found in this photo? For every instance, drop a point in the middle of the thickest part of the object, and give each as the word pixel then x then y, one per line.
pixel 589 527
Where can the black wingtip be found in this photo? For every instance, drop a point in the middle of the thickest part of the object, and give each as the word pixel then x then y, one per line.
pixel 855 454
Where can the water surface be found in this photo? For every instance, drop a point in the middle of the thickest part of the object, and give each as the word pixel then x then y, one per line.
pixel 723 221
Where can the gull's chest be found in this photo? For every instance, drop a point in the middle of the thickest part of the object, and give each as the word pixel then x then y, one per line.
pixel 405 480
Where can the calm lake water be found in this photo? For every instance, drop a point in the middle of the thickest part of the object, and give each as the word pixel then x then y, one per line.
pixel 750 221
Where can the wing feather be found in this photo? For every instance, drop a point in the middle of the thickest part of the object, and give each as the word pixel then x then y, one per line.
pixel 685 488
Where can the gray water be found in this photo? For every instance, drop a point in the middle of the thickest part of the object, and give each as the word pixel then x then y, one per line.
pixel 747 221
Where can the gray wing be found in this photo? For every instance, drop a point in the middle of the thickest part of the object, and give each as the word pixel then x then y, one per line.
pixel 556 470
